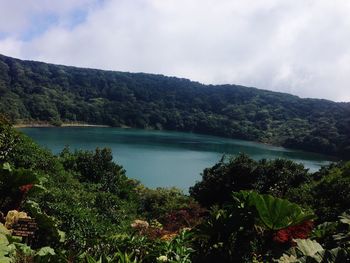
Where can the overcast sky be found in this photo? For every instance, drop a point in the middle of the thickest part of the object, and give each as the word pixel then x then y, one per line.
pixel 296 46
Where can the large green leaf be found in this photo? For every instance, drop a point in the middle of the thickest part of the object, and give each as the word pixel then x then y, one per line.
pixel 5 249
pixel 310 251
pixel 308 247
pixel 90 259
pixel 345 219
pixel 323 230
pixel 4 259
pixel 6 166
pixel 336 255
pixel 276 213
pixel 3 244
pixel 287 259
pixel 4 230
pixel 45 251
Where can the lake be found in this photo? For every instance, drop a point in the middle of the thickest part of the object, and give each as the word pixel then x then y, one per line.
pixel 164 158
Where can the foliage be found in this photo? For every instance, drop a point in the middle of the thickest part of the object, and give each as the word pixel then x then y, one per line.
pixel 117 257
pixel 155 203
pixel 274 177
pixel 256 211
pixel 339 235
pixel 39 92
pixel 177 250
pixel 95 213
pixel 138 248
pixel 48 232
pixel 14 185
pixel 274 213
pixel 187 217
pixel 8 139
pixel 246 228
pixel 98 167
pixel 7 250
pixel 93 216
pixel 215 237
pixel 308 250
pixel 21 152
pixel 29 155
pixel 328 193
pixel 12 250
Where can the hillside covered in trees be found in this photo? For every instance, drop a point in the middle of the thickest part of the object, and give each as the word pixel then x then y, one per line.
pixel 34 91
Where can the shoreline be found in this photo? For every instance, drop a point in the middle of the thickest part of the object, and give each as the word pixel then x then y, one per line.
pixel 87 125
pixel 63 125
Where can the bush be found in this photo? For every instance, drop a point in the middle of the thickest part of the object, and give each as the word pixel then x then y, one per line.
pixel 246 228
pixel 155 203
pixel 98 167
pixel 328 194
pixel 274 177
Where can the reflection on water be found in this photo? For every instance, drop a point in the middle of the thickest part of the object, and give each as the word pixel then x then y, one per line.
pixel 162 158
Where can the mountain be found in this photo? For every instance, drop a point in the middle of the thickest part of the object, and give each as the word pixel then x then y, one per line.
pixel 35 91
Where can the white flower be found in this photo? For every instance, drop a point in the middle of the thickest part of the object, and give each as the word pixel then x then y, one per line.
pixel 162 258
pixel 140 224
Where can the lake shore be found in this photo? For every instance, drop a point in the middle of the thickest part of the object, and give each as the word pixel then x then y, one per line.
pixel 63 125
pixel 88 125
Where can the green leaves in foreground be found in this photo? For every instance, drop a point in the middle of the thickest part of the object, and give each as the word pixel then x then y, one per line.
pixel 307 250
pixel 274 213
pixel 12 250
pixel 6 249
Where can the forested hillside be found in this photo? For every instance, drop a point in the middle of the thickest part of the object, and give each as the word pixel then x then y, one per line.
pixel 34 91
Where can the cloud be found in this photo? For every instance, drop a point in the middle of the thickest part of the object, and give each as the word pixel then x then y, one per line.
pixel 17 17
pixel 296 46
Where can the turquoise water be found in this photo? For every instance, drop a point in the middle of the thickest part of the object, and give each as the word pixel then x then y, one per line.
pixel 163 158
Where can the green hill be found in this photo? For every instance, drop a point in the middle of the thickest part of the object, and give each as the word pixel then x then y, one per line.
pixel 34 91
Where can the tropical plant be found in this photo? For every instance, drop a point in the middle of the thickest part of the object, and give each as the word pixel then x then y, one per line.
pixel 13 250
pixel 14 185
pixel 48 232
pixel 156 203
pixel 274 213
pixel 327 194
pixel 246 228
pixel 307 250
pixel 117 257
pixel 98 167
pixel 275 177
pixel 177 250
pixel 8 139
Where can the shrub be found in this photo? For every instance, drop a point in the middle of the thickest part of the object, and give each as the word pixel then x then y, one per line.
pixel 274 177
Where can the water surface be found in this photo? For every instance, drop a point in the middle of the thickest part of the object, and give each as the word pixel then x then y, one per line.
pixel 164 158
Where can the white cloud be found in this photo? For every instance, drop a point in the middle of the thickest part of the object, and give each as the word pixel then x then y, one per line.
pixel 296 46
pixel 18 16
pixel 11 47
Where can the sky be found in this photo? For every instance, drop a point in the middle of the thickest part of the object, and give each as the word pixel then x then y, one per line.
pixel 295 46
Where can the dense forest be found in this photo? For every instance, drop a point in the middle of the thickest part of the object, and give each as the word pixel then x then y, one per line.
pixel 33 92
pixel 88 210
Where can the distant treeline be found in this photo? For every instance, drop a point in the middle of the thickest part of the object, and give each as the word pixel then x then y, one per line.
pixel 35 91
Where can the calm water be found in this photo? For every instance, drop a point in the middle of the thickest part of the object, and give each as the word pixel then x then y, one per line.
pixel 162 158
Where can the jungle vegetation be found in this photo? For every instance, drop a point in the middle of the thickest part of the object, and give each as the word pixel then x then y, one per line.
pixel 88 210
